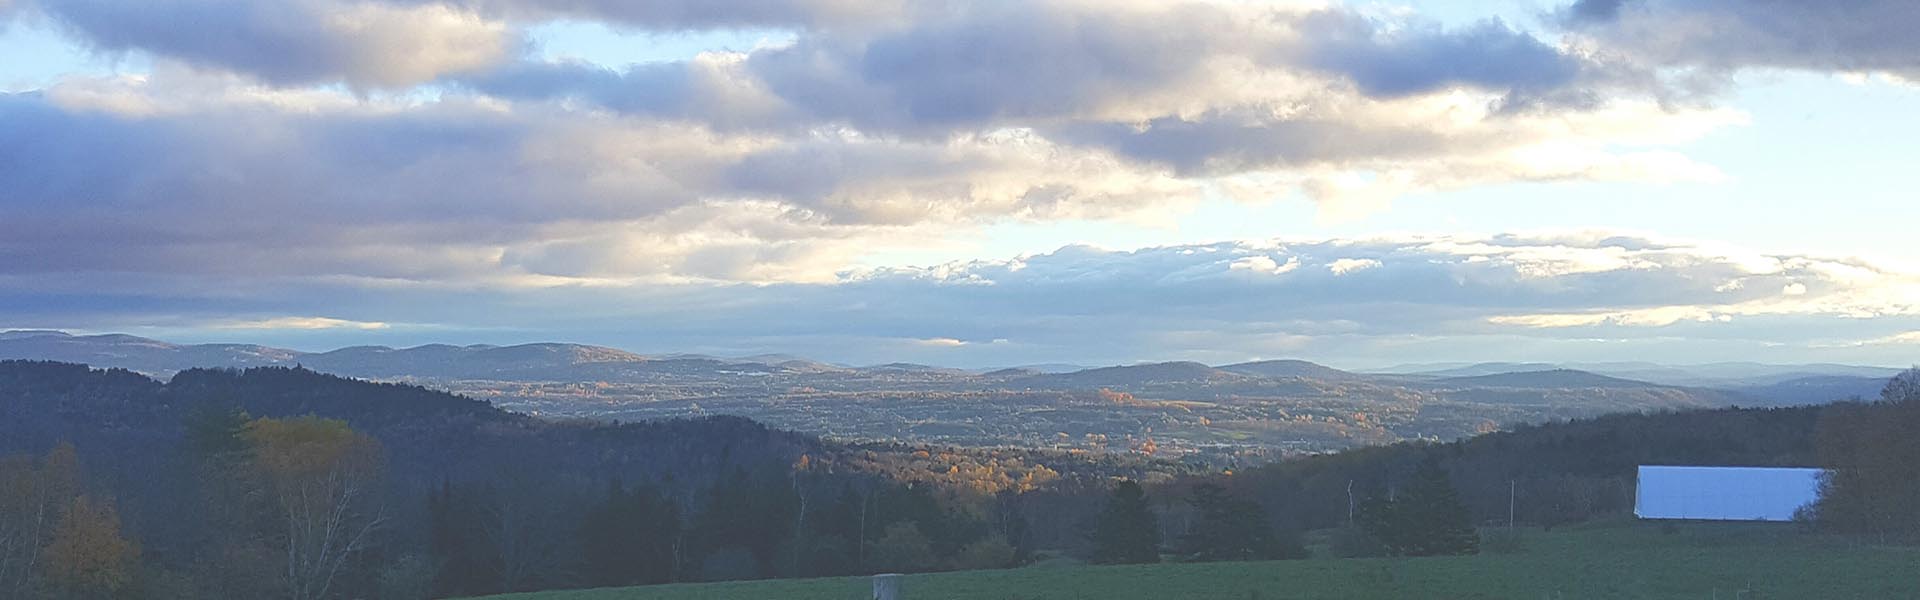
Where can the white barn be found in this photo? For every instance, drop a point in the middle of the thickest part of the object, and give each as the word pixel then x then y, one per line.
pixel 1724 493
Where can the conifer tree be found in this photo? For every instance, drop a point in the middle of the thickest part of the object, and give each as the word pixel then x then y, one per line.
pixel 1126 532
pixel 1233 528
pixel 1425 519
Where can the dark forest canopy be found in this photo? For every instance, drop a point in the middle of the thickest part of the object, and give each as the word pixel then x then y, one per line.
pixel 473 499
pixel 502 500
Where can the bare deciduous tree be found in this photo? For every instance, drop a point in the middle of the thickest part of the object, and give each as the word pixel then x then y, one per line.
pixel 32 497
pixel 324 478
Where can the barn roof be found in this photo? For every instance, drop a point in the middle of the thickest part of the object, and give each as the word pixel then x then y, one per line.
pixel 1724 493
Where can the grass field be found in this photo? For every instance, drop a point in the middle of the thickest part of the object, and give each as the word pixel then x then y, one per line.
pixel 1613 560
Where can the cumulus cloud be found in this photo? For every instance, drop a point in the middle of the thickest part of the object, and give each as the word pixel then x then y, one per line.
pixel 770 164
pixel 1726 35
pixel 1264 264
pixel 1399 62
pixel 387 153
pixel 125 176
pixel 988 65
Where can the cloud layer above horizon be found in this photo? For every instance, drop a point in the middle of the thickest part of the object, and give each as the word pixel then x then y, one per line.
pixel 307 165
pixel 1359 302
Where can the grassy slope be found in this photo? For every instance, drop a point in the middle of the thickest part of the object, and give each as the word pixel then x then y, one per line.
pixel 1597 561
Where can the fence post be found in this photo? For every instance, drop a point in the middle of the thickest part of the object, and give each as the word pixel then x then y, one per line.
pixel 886 586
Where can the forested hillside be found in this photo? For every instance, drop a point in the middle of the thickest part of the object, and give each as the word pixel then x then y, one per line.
pixel 461 497
pixel 197 478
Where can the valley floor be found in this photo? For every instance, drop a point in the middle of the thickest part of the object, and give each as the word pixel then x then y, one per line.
pixel 1605 560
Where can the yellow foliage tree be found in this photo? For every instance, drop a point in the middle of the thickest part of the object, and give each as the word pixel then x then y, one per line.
pixel 32 495
pixel 87 557
pixel 324 478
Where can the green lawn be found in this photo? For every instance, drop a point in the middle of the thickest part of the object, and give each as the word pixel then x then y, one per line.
pixel 1616 560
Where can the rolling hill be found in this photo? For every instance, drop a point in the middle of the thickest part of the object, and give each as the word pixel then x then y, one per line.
pixel 1226 414
pixel 1291 368
pixel 1551 378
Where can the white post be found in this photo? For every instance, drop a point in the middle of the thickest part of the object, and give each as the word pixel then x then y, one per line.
pixel 886 586
pixel 1513 492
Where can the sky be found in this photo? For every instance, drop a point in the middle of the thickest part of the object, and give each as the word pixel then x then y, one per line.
pixel 973 183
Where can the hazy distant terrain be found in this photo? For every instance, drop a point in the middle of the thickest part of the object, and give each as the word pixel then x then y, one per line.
pixel 1252 410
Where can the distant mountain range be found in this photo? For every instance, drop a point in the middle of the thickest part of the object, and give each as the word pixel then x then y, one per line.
pixel 1274 405
pixel 563 361
pixel 1714 375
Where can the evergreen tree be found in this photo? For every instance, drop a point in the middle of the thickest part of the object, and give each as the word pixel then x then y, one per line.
pixel 833 530
pixel 1232 528
pixel 1019 533
pixel 628 539
pixel 217 433
pixel 1426 519
pixel 1126 532
pixel 606 541
pixel 747 513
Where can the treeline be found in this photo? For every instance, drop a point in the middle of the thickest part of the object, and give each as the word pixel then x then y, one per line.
pixel 1544 475
pixel 438 495
pixel 1539 475
pixel 1871 451
pixel 282 482
pixel 511 536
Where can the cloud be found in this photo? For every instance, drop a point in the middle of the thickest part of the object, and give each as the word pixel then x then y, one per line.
pixel 1911 337
pixel 1728 35
pixel 987 65
pixel 183 171
pixel 407 161
pixel 299 323
pixel 878 122
pixel 1480 297
pixel 1594 11
pixel 291 42
pixel 1264 264
pixel 133 175
pixel 1398 62
pixel 680 15
pixel 1344 266
pixel 1905 338
pixel 1650 317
